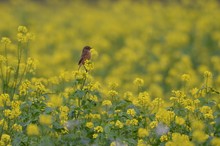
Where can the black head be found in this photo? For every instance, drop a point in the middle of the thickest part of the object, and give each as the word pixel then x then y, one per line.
pixel 87 48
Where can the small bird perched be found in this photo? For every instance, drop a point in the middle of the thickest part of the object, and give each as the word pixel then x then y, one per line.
pixel 86 55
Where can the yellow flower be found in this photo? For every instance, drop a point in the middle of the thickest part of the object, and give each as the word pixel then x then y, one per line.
pixel 185 77
pixel 153 124
pixel 138 82
pixel 143 99
pixel 5 40
pixel 6 138
pixel 17 128
pixel 142 132
pixel 207 112
pixel 22 29
pixel 112 93
pixel 117 111
pixel 165 116
pixel 93 98
pixel 7 113
pixel 132 122
pixel 89 65
pixel 106 103
pixel 178 138
pixel 131 112
pixel 98 129
pixel 113 85
pixel 141 142
pixel 95 135
pixel 45 119
pixel 55 101
pixel 94 53
pixel 89 125
pixel 93 116
pixel 179 120
pixel 163 138
pixel 207 74
pixel 113 143
pixel 197 125
pixel 64 109
pixel 117 143
pixel 215 141
pixel 4 124
pixel 119 124
pixel 199 136
pixel 32 129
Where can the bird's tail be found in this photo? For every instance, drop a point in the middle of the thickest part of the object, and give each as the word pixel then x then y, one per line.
pixel 79 67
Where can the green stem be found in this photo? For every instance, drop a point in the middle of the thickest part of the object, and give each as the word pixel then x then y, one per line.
pixel 17 69
pixel 206 85
pixel 6 70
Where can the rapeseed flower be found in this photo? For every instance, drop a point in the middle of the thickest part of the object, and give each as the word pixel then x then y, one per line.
pixel 207 112
pixel 215 141
pixel 89 125
pixel 178 138
pixel 133 122
pixel 95 135
pixel 6 138
pixel 142 132
pixel 138 82
pixel 17 128
pixel 199 136
pixel 141 142
pixel 106 103
pixel 179 120
pixel 163 138
pixel 45 119
pixel 119 124
pixel 6 41
pixel 98 129
pixel 185 77
pixel 55 101
pixel 153 124
pixel 131 112
pixel 112 93
pixel 33 130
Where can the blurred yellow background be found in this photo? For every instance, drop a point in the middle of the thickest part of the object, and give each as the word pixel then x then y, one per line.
pixel 158 41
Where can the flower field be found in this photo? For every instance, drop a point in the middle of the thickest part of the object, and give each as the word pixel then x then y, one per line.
pixel 153 78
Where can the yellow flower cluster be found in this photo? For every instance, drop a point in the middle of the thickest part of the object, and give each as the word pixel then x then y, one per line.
pixel 5 41
pixel 132 122
pixel 106 103
pixel 98 129
pixel 119 124
pixel 179 120
pixel 165 116
pixel 143 99
pixel 142 132
pixel 131 112
pixel 207 112
pixel 64 110
pixel 89 125
pixel 138 82
pixel 33 130
pixel 178 138
pixel 45 119
pixel 23 35
pixel 5 140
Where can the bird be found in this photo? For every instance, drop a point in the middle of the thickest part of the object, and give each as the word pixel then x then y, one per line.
pixel 86 55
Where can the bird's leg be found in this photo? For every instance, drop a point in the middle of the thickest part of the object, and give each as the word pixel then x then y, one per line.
pixel 85 68
pixel 79 67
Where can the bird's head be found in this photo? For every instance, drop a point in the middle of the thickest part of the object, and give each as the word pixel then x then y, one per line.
pixel 87 48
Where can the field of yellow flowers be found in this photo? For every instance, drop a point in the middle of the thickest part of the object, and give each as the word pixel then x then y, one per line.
pixel 153 78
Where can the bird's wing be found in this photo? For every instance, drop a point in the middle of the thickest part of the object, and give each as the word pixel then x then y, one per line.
pixel 80 61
